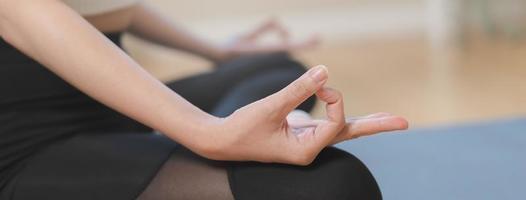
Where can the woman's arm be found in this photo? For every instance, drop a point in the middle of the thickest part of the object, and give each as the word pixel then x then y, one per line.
pixel 150 25
pixel 60 39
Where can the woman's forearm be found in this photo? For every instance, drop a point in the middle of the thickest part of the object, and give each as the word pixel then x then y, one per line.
pixel 60 39
pixel 150 25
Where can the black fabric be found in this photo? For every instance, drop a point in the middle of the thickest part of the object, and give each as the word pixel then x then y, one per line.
pixel 241 81
pixel 92 166
pixel 23 79
pixel 38 109
pixel 58 143
pixel 334 174
pixel 188 176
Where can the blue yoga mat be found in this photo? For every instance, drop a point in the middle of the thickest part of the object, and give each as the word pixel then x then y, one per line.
pixel 479 161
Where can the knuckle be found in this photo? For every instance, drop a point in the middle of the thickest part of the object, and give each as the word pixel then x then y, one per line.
pixel 340 123
pixel 337 124
pixel 334 95
pixel 352 135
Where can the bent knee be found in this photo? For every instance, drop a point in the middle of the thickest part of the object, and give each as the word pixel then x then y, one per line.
pixel 345 176
pixel 335 174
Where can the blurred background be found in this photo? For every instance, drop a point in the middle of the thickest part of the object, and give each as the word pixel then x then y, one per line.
pixel 455 68
pixel 434 61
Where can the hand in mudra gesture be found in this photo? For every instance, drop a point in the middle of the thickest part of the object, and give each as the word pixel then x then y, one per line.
pixel 269 130
pixel 250 43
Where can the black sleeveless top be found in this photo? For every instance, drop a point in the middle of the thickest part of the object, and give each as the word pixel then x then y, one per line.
pixel 37 108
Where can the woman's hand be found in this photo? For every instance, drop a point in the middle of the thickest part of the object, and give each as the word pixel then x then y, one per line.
pixel 265 130
pixel 355 127
pixel 248 43
pixel 151 25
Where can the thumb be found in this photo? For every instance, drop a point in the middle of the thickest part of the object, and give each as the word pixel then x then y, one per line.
pixel 298 91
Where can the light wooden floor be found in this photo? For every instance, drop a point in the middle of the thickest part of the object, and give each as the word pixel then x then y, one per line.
pixel 483 80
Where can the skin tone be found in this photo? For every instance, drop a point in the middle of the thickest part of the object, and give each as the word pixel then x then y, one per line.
pixel 268 130
pixel 148 24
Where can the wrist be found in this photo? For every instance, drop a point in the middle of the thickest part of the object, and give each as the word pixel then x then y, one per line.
pixel 186 125
pixel 204 135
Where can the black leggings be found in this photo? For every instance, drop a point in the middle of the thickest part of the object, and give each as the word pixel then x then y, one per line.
pixel 334 175
pixel 239 82
pixel 112 164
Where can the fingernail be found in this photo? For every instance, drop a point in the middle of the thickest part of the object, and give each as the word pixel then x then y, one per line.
pixel 319 73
